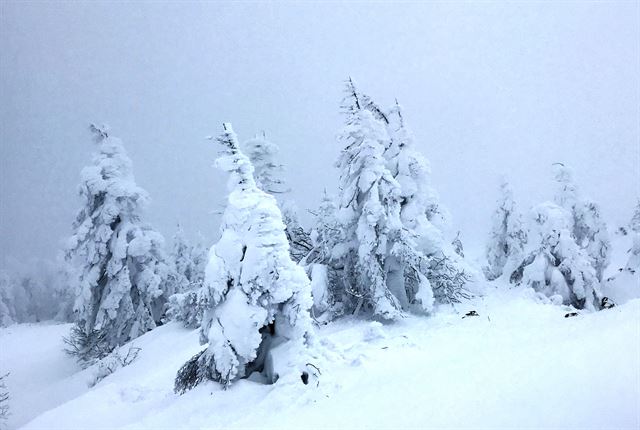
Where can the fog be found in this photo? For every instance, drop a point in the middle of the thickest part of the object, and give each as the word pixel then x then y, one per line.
pixel 487 88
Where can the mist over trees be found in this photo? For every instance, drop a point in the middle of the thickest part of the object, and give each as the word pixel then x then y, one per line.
pixel 380 248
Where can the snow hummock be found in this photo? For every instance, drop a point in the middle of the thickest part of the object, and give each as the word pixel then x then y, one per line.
pixel 519 363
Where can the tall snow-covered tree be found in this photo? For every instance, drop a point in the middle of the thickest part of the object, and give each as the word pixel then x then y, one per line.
pixel 554 263
pixel 256 295
pixel 507 237
pixel 422 216
pixel 383 271
pixel 589 229
pixel 121 266
pixel 268 174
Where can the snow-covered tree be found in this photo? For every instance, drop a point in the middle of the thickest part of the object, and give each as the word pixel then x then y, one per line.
pixel 7 310
pixel 268 174
pixel 625 284
pixel 256 295
pixel 634 224
pixel 188 262
pixel 4 399
pixel 267 170
pixel 187 304
pixel 369 205
pixel 554 263
pixel 121 268
pixel 422 216
pixel 507 237
pixel 383 271
pixel 299 239
pixel 633 263
pixel 589 229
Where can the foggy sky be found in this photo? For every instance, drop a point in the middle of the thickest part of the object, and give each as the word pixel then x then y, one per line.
pixel 487 88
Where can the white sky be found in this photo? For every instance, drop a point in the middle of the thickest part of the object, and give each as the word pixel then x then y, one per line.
pixel 487 88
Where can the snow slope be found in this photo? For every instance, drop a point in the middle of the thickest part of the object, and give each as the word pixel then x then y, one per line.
pixel 519 364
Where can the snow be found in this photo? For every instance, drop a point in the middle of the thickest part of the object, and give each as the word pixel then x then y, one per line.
pixel 520 363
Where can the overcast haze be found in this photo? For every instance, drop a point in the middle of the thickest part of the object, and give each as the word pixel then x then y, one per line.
pixel 487 88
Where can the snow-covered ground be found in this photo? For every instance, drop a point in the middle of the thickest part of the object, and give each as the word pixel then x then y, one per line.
pixel 520 363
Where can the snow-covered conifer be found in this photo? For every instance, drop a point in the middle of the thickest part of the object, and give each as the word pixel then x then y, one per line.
pixel 268 174
pixel 299 239
pixel 422 217
pixel 589 229
pixel 633 263
pixel 256 295
pixel 554 264
pixel 187 303
pixel 383 269
pixel 121 269
pixel 507 237
pixel 267 170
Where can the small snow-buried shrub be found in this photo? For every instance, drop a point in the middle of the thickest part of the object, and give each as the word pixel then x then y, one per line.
pixel 113 362
pixel 86 348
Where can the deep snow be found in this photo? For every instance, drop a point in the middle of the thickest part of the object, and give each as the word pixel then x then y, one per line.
pixel 520 363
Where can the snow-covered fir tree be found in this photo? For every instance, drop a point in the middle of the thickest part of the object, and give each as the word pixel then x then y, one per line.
pixel 554 263
pixel 187 304
pixel 121 267
pixel 188 262
pixel 299 239
pixel 507 237
pixel 383 271
pixel 633 262
pixel 268 174
pixel 422 215
pixel 257 297
pixel 589 228
pixel 268 171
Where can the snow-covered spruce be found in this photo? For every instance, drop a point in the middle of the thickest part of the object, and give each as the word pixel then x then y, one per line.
pixel 257 297
pixel 382 270
pixel 187 304
pixel 507 237
pixel 423 218
pixel 121 270
pixel 633 263
pixel 625 284
pixel 554 264
pixel 268 174
pixel 589 228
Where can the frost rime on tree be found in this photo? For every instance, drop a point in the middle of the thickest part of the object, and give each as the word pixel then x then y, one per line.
pixel 187 304
pixel 121 269
pixel 422 216
pixel 507 238
pixel 383 270
pixel 268 174
pixel 589 229
pixel 554 264
pixel 256 295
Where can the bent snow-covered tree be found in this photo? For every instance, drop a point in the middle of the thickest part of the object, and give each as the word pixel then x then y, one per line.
pixel 507 237
pixel 589 229
pixel 422 217
pixel 120 265
pixel 268 174
pixel 383 271
pixel 554 264
pixel 257 297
